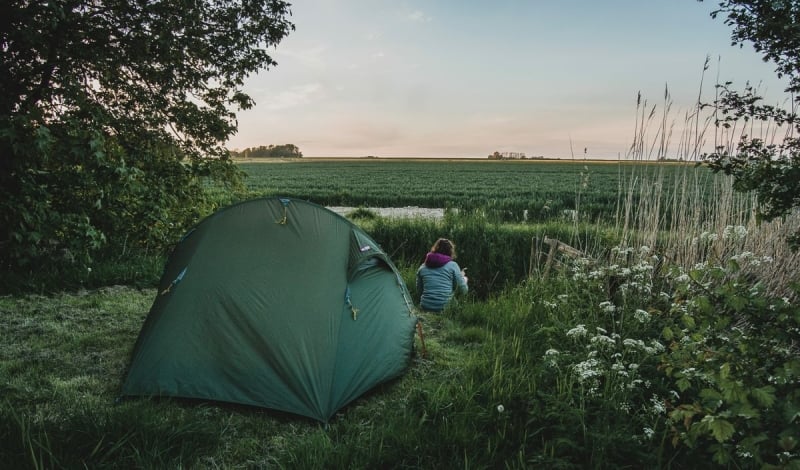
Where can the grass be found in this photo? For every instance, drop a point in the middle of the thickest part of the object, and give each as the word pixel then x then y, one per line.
pixel 64 357
pixel 556 373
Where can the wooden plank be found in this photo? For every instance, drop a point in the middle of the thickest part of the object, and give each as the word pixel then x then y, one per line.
pixel 563 247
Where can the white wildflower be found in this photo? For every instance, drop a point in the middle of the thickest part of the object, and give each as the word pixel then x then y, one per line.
pixel 734 232
pixel 551 352
pixel 648 433
pixel 634 383
pixel 582 261
pixel 608 307
pixel 602 340
pixel 708 237
pixel 577 332
pixel 587 369
pixel 657 405
pixel 700 266
pixel 642 316
pixel 500 408
pixel 743 257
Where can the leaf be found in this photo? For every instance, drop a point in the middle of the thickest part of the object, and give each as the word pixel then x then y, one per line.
pixel 725 370
pixel 667 333
pixel 744 410
pixel 721 456
pixel 787 443
pixel 712 397
pixel 737 302
pixel 721 429
pixel 764 396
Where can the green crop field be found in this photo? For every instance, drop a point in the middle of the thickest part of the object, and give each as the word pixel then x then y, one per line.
pixel 511 190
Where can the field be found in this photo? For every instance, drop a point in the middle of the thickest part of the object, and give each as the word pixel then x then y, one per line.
pixel 671 341
pixel 509 190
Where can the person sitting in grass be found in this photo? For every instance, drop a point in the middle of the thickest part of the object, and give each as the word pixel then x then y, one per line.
pixel 439 277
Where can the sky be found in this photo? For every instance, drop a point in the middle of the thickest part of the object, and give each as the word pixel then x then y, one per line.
pixel 460 79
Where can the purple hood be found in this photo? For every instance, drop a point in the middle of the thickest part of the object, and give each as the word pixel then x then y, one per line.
pixel 436 260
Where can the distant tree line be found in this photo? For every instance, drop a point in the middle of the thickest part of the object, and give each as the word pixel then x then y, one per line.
pixel 512 156
pixel 269 151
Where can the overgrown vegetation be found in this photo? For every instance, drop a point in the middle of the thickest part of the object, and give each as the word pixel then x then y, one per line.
pixel 605 363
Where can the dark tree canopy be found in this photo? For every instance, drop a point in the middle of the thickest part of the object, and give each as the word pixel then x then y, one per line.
pixel 270 151
pixel 112 112
pixel 771 169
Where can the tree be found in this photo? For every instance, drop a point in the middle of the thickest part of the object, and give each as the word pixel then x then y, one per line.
pixel 771 169
pixel 113 116
pixel 271 151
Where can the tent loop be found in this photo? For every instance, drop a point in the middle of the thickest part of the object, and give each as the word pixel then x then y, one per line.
pixel 284 220
pixel 174 282
pixel 349 303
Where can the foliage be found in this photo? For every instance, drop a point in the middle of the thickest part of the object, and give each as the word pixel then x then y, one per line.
pixel 271 151
pixel 771 169
pixel 733 361
pixel 113 116
pixel 703 364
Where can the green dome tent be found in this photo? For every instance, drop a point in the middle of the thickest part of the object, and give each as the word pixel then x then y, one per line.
pixel 277 303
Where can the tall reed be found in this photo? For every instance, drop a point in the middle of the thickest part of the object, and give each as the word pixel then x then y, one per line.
pixel 700 217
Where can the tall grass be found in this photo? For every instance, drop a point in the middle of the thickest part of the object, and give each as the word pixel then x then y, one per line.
pixel 699 217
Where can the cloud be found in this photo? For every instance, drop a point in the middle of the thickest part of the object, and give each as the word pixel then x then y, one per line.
pixel 293 97
pixel 418 16
pixel 312 57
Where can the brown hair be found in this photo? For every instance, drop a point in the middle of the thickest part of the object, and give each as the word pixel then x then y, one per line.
pixel 445 247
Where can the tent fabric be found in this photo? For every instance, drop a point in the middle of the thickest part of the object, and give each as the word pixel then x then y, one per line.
pixel 277 303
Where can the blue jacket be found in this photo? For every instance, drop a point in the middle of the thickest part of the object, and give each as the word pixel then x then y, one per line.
pixel 437 285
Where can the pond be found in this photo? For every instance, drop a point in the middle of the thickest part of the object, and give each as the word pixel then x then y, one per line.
pixel 396 212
